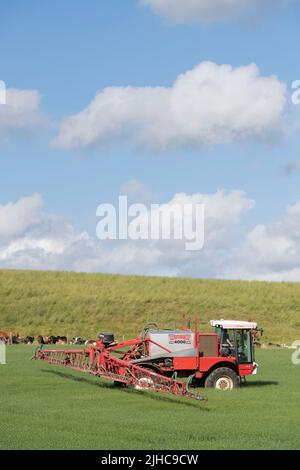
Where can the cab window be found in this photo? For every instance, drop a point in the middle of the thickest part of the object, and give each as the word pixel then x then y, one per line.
pixel 244 346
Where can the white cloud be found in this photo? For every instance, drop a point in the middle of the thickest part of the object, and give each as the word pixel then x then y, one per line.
pixel 210 104
pixel 32 239
pixel 36 240
pixel 271 251
pixel 21 113
pixel 17 217
pixel 191 11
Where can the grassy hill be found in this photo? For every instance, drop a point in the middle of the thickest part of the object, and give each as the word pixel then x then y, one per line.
pixel 73 304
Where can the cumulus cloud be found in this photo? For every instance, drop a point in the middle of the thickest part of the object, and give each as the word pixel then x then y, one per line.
pixel 210 104
pixel 191 11
pixel 36 240
pixel 271 251
pixel 28 236
pixel 21 112
pixel 223 213
pixel 33 239
pixel 17 217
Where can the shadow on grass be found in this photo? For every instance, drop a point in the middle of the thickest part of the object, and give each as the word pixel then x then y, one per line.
pixel 152 395
pixel 260 383
pixel 86 380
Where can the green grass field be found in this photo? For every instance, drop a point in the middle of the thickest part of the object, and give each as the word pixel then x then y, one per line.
pixel 59 303
pixel 49 407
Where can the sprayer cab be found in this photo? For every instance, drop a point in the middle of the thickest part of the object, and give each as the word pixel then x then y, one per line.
pixel 235 339
pixel 218 359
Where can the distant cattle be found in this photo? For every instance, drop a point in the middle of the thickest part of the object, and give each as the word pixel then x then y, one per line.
pixel 13 338
pixel 52 339
pixel 77 340
pixel 27 340
pixel 61 340
pixel 8 336
pixel 40 339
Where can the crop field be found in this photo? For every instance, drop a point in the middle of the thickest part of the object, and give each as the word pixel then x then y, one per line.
pixel 50 407
pixel 78 304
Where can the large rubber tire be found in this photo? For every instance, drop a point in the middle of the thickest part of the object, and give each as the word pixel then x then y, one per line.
pixel 222 378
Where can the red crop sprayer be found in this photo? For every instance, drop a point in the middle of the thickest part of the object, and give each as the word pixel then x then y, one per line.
pixel 157 358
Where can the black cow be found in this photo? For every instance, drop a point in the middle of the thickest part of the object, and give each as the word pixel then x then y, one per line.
pixel 29 339
pixel 61 340
pixel 77 340
pixel 40 339
pixel 51 339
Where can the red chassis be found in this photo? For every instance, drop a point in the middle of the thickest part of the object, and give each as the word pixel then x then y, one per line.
pixel 156 358
pixel 204 356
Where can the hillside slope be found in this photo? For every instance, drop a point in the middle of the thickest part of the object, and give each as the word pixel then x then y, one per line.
pixel 73 304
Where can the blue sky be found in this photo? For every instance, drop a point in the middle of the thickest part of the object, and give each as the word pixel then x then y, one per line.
pixel 69 51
